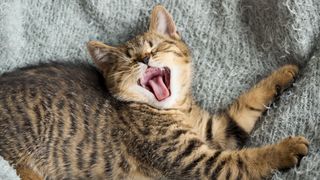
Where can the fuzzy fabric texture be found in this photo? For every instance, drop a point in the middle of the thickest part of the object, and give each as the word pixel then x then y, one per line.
pixel 235 43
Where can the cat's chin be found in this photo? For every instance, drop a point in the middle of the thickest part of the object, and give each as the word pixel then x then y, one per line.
pixel 164 104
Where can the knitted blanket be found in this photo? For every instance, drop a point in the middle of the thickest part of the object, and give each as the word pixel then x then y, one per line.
pixel 235 44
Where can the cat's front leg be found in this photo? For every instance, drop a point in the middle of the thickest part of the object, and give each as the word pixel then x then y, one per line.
pixel 231 128
pixel 246 110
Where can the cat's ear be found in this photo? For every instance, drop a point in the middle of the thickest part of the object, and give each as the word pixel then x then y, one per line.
pixel 161 22
pixel 102 54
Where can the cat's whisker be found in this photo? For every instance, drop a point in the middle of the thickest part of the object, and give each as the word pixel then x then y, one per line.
pixel 119 72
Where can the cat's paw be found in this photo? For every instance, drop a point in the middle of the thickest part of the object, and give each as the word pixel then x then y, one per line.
pixel 291 150
pixel 284 77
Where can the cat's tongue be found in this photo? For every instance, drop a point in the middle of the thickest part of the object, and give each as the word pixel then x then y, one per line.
pixel 159 88
pixel 157 81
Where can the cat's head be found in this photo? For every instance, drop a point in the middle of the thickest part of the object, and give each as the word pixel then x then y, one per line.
pixel 153 68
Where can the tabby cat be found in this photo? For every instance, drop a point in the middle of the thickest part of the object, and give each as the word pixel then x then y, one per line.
pixel 134 117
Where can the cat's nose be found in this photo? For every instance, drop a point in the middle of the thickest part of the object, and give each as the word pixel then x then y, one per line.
pixel 146 59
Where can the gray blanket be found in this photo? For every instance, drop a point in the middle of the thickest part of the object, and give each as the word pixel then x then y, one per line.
pixel 235 43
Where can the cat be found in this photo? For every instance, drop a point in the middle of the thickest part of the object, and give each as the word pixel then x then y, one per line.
pixel 133 117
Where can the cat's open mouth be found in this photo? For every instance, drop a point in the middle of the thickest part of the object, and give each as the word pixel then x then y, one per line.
pixel 157 81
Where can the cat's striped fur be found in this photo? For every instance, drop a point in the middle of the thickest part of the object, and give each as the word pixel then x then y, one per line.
pixel 59 121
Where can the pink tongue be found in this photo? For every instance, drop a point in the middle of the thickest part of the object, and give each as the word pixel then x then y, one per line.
pixel 160 90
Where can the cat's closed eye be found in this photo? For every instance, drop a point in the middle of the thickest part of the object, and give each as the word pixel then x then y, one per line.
pixel 153 52
pixel 150 44
pixel 128 53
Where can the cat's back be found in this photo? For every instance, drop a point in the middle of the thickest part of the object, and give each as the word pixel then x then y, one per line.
pixel 51 78
pixel 44 104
